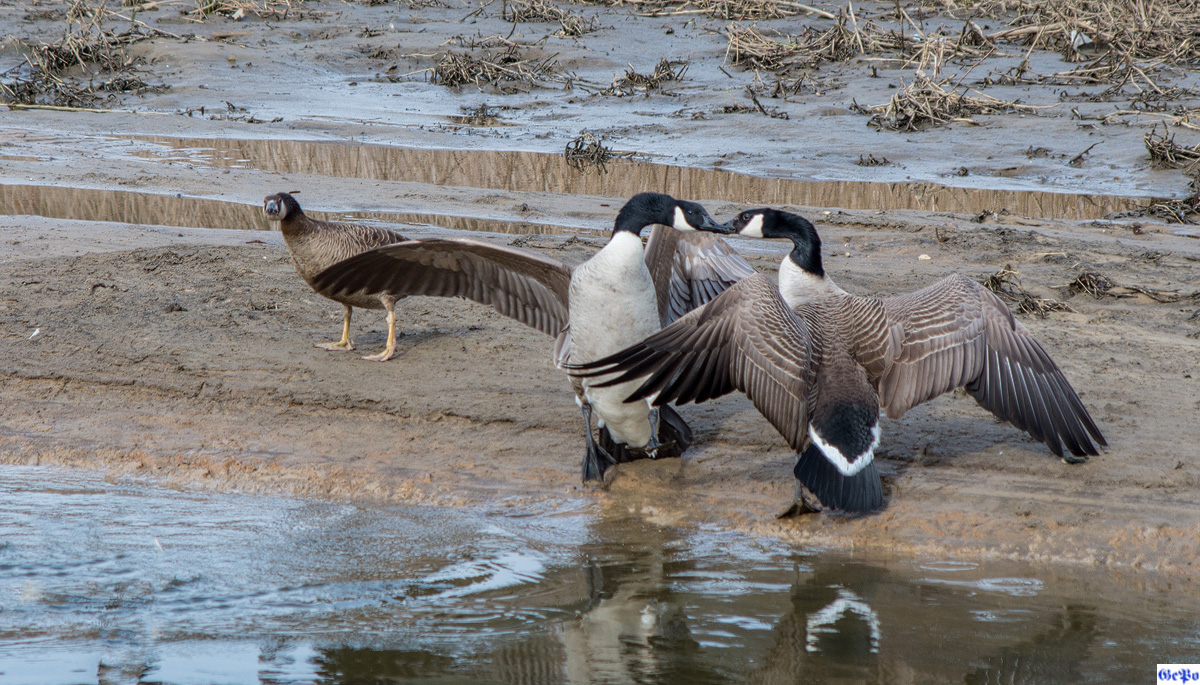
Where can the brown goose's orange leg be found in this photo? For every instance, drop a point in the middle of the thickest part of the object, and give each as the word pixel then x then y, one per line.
pixel 345 343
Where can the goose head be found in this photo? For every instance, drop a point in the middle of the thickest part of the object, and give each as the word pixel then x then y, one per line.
pixel 645 209
pixel 773 223
pixel 281 206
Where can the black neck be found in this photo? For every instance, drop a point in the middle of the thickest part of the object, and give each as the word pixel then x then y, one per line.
pixel 644 209
pixel 806 245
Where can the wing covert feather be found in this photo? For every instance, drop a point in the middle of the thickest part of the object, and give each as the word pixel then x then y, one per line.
pixel 956 333
pixel 519 284
pixel 690 269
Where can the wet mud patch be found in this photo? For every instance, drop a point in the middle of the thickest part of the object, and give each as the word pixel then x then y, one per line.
pixel 1085 73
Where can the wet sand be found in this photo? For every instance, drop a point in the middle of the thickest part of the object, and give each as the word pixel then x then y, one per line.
pixel 185 354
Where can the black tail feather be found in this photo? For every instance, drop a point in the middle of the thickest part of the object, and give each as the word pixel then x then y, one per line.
pixel 672 428
pixel 858 493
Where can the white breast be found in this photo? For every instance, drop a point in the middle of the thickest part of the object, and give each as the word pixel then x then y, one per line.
pixel 612 300
pixel 801 287
pixel 613 305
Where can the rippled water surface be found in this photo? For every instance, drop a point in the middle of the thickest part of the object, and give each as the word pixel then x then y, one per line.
pixel 127 583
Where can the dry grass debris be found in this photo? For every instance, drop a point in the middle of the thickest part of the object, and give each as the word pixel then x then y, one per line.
pixel 755 107
pixel 239 9
pixel 1167 30
pixel 1099 286
pixel 570 23
pixel 589 152
pixel 633 83
pixel 1006 283
pixel 739 10
pixel 63 73
pixel 1166 153
pixel 926 103
pixel 872 160
pixel 748 47
pixel 1119 43
pixel 850 36
pixel 494 68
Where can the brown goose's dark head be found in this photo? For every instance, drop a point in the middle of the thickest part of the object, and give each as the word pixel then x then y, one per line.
pixel 281 206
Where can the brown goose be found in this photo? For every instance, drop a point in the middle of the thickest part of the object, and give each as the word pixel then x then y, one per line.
pixel 904 350
pixel 617 297
pixel 316 245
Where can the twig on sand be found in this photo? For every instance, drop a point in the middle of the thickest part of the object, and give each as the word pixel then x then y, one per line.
pixel 1006 283
pixel 61 108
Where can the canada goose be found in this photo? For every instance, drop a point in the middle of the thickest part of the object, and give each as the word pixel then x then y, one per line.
pixel 798 374
pixel 316 245
pixel 619 296
pixel 909 348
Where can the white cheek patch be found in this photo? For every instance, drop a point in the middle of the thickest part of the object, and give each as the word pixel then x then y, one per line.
pixel 681 222
pixel 754 228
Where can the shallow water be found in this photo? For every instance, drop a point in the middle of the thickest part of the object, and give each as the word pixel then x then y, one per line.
pixel 127 583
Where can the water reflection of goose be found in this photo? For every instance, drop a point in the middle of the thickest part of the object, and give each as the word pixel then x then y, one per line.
pixel 831 630
pixel 616 298
pixel 1050 656
pixel 635 625
pixel 824 621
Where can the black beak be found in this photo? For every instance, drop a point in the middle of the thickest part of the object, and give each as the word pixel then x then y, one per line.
pixel 713 227
pixel 272 207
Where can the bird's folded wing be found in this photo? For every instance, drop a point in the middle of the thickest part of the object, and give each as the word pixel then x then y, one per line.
pixel 690 269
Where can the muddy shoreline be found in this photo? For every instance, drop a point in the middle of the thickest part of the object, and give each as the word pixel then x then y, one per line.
pixel 188 359
pixel 171 351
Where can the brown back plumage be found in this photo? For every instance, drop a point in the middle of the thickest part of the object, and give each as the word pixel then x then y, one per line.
pixel 317 245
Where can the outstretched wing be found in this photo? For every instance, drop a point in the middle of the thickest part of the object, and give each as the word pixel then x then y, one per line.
pixel 955 333
pixel 746 339
pixel 690 269
pixel 519 284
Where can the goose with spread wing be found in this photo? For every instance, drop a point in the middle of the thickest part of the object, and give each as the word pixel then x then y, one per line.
pixel 316 245
pixel 787 347
pixel 619 296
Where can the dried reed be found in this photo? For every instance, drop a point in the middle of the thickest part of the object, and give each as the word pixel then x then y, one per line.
pixel 1166 153
pixel 1006 283
pixel 45 75
pixel 926 103
pixel 633 83
pixel 570 23
pixel 495 68
pixel 237 9
pixel 588 151
pixel 1100 286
